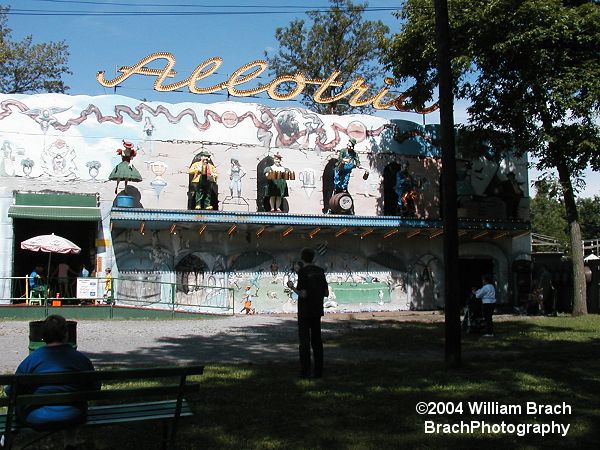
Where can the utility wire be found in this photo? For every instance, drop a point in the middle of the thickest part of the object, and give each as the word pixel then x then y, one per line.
pixel 187 5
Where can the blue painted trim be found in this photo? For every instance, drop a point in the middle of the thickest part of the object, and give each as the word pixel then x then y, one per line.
pixel 132 217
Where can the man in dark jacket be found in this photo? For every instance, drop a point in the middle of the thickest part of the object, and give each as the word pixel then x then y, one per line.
pixel 312 288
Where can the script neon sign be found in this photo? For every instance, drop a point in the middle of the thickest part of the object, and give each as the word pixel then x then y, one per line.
pixel 356 91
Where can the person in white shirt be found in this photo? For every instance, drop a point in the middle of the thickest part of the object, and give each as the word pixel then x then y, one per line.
pixel 487 294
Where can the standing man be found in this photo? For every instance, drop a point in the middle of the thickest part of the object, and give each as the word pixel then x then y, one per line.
pixel 311 288
pixel 487 294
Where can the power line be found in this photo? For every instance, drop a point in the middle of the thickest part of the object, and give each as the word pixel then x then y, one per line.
pixel 187 5
pixel 35 12
pixel 205 9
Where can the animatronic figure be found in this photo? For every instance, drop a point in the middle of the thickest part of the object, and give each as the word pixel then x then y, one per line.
pixel 125 171
pixel 204 175
pixel 277 187
pixel 347 160
pixel 406 189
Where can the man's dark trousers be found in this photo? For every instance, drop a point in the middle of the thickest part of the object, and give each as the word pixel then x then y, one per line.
pixel 309 331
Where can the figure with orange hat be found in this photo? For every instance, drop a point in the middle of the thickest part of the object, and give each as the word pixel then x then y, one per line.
pixel 277 187
pixel 125 171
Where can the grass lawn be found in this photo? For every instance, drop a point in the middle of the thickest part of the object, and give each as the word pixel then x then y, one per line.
pixel 371 404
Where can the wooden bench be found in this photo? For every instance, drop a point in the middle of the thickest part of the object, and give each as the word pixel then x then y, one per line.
pixel 164 402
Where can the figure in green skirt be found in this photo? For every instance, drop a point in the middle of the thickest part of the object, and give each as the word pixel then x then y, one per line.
pixel 125 171
pixel 277 187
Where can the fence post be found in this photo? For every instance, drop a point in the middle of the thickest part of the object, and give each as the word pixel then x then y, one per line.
pixel 172 300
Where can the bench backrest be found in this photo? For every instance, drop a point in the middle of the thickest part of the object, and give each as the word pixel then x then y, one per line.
pixel 173 383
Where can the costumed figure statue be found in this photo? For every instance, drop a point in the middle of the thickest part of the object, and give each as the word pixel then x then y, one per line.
pixel 341 202
pixel 406 189
pixel 204 176
pixel 125 171
pixel 347 161
pixel 277 187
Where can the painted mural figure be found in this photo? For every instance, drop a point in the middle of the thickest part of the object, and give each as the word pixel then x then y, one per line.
pixel 277 187
pixel 406 189
pixel 45 116
pixel 236 173
pixel 7 164
pixel 204 175
pixel 58 160
pixel 148 131
pixel 125 171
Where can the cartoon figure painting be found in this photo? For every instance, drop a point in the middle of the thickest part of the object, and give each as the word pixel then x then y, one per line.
pixel 58 160
pixel 236 173
pixel 7 163
pixel 45 116
pixel 125 171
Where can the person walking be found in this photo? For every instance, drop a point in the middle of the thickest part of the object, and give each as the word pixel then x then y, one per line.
pixel 487 294
pixel 311 289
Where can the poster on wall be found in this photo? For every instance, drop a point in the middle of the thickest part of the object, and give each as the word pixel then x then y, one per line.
pixel 87 288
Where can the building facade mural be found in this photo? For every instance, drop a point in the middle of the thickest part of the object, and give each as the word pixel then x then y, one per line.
pixel 376 238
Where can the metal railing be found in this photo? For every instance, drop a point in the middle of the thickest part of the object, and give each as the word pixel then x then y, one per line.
pixel 130 290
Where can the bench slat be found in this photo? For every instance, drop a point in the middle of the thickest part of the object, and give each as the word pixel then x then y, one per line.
pixel 101 375
pixel 130 412
pixel 110 394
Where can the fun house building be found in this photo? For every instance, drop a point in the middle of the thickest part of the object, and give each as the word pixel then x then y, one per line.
pixel 380 239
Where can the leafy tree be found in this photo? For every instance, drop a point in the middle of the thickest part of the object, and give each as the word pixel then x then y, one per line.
pixel 547 213
pixel 589 213
pixel 530 69
pixel 28 67
pixel 336 40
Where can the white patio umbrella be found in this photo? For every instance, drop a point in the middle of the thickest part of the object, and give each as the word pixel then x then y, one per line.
pixel 50 243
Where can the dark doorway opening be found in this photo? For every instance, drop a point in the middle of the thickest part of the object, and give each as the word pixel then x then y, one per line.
pixel 83 234
pixel 390 197
pixel 470 272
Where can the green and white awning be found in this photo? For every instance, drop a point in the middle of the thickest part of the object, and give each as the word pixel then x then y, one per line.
pixel 69 207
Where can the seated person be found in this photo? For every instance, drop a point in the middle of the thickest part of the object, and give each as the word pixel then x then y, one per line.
pixel 36 285
pixel 56 356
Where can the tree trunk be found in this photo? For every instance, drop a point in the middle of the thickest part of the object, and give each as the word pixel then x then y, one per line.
pixel 579 298
pixel 453 350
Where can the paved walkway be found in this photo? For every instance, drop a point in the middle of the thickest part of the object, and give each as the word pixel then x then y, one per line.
pixel 224 339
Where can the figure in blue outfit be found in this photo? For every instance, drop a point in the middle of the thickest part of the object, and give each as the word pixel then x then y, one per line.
pixel 56 356
pixel 406 189
pixel 36 285
pixel 347 161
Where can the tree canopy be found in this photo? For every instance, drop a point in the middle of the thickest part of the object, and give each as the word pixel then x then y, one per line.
pixel 530 69
pixel 336 40
pixel 26 67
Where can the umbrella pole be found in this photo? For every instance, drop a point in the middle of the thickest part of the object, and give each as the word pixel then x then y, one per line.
pixel 48 275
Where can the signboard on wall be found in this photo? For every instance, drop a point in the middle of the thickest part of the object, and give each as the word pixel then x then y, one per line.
pixel 87 288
